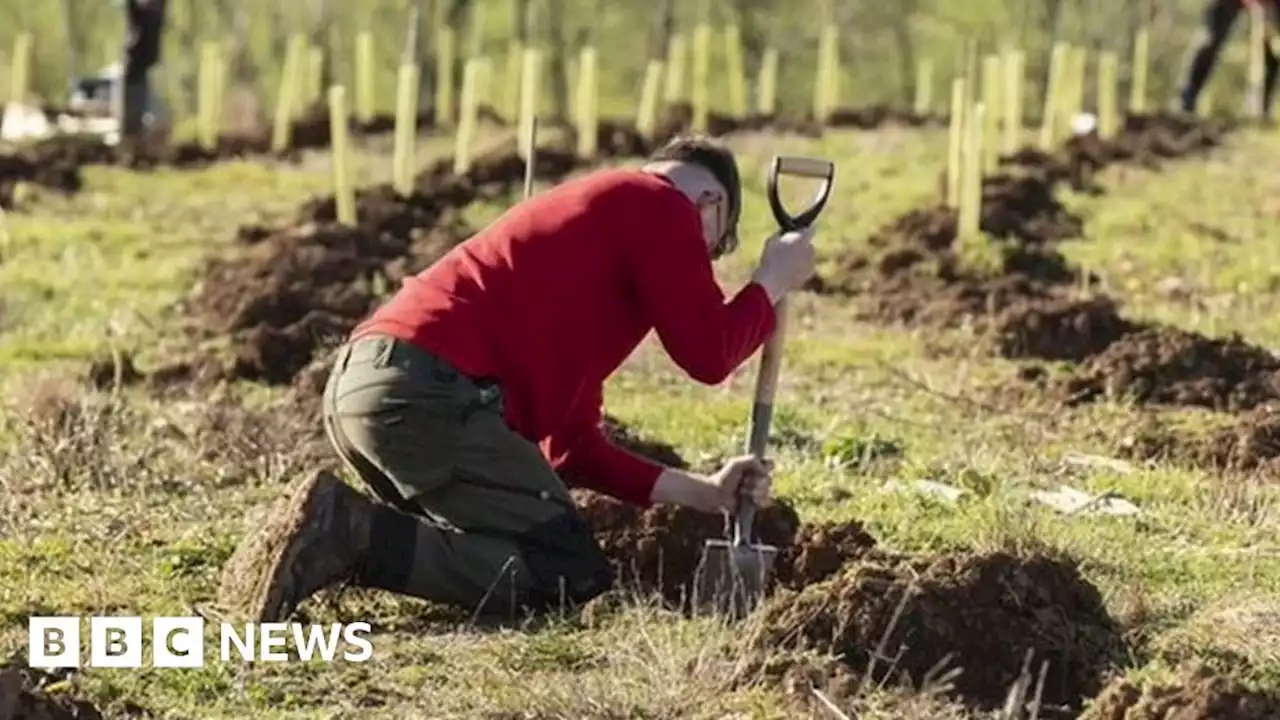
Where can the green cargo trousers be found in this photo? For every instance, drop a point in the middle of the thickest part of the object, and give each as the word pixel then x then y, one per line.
pixel 474 515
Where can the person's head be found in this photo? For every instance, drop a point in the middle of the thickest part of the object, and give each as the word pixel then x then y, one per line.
pixel 707 173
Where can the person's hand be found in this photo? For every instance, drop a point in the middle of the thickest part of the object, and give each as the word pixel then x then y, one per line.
pixel 786 263
pixel 746 475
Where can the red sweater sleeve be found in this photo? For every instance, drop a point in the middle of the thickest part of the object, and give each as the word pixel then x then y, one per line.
pixel 669 271
pixel 584 457
pixel 675 285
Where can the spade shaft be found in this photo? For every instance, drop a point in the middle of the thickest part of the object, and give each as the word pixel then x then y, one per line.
pixel 733 573
pixel 531 163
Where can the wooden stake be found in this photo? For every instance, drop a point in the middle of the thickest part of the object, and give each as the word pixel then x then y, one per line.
pixel 646 117
pixel 529 94
pixel 588 89
pixel 676 67
pixel 471 78
pixel 1138 86
pixel 955 142
pixel 343 194
pixel 768 92
pixel 1013 84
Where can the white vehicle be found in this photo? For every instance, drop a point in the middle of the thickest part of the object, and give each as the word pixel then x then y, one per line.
pixel 92 103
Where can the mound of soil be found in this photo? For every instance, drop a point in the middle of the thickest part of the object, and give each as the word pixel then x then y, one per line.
pixel 1059 328
pixel 309 286
pixel 878 116
pixel 677 119
pixel 1051 168
pixel 1251 444
pixel 941 298
pixel 300 289
pixel 311 131
pixel 984 611
pixel 1023 208
pixel 1147 139
pixel 620 139
pixel 1168 366
pixel 916 276
pixel 1197 695
pixel 657 550
pixel 819 552
pixel 53 164
pixel 23 697
pixel 1144 140
pixel 490 176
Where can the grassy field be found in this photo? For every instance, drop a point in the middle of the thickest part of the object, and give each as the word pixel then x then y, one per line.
pixel 128 502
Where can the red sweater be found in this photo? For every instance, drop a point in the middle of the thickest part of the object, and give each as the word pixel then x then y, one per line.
pixel 553 296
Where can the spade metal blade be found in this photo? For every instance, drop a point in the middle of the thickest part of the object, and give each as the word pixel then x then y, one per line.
pixel 731 577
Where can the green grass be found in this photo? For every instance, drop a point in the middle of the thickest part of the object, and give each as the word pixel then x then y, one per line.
pixel 135 510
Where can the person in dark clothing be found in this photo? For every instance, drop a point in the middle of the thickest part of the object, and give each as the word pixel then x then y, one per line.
pixel 1219 17
pixel 142 52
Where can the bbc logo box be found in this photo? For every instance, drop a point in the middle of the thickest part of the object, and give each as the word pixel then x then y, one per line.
pixel 179 642
pixel 55 642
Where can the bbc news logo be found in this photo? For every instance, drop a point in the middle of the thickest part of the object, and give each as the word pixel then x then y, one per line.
pixel 179 642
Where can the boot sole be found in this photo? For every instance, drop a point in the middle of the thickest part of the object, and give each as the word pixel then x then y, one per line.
pixel 269 559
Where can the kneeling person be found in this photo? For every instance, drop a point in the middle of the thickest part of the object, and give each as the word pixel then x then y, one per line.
pixel 469 400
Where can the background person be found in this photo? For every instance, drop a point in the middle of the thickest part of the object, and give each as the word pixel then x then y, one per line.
pixel 1219 17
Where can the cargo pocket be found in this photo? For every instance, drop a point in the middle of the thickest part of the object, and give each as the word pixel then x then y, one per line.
pixel 404 418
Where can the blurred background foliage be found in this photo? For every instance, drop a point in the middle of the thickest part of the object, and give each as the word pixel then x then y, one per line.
pixel 880 41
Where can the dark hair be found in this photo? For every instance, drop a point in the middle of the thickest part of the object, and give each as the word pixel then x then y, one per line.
pixel 719 161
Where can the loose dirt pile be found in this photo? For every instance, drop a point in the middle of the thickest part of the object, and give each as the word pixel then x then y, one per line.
pixel 677 119
pixel 310 131
pixel 1023 208
pixel 982 612
pixel 818 552
pixel 23 696
pixel 877 116
pixel 300 289
pixel 1053 168
pixel 657 550
pixel 1167 366
pixel 305 288
pixel 917 275
pixel 1020 292
pixel 53 165
pixel 56 162
pixel 1147 139
pixel 1062 328
pixel 1250 445
pixel 1197 695
pixel 916 272
pixel 619 139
